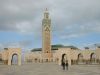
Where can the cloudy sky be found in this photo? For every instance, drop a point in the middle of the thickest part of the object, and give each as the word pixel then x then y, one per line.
pixel 74 22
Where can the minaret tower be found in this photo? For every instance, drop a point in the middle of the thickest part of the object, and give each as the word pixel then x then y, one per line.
pixel 46 36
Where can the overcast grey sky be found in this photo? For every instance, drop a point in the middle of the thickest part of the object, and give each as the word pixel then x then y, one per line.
pixel 71 19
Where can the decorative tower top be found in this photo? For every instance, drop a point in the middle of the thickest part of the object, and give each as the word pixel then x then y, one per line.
pixel 46 9
pixel 46 14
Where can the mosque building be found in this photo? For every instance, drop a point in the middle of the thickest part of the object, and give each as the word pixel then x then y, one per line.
pixel 52 53
pixel 55 53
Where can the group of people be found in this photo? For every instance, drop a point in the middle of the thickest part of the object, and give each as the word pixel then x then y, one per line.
pixel 64 63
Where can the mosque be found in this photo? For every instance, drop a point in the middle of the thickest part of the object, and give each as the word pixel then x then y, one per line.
pixel 54 53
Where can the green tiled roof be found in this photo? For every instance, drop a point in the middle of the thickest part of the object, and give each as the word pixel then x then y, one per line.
pixel 55 47
pixel 36 49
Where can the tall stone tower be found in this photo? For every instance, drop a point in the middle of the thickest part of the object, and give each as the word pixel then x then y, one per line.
pixel 46 36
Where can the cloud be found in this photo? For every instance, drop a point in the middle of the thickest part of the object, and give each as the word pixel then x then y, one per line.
pixel 70 19
pixel 24 45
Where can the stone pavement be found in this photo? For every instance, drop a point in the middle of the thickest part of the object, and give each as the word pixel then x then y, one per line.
pixel 49 69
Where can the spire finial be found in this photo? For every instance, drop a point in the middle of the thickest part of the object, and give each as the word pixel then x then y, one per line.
pixel 46 13
pixel 46 9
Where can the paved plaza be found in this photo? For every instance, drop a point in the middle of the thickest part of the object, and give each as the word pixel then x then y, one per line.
pixel 49 69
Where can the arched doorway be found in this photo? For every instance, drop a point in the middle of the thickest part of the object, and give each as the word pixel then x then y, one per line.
pixel 0 57
pixel 11 55
pixel 14 60
pixel 92 57
pixel 80 59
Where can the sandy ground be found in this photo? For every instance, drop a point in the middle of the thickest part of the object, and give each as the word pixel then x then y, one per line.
pixel 49 69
